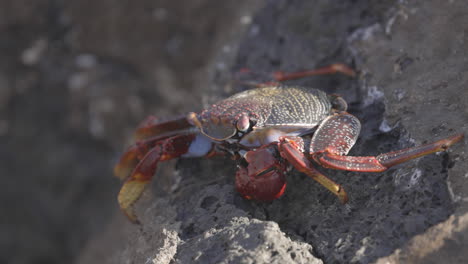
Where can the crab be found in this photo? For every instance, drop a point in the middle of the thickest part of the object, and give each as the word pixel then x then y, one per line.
pixel 268 130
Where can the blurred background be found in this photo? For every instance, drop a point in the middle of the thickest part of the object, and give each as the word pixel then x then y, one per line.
pixel 75 78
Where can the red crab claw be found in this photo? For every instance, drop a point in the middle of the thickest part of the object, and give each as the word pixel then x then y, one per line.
pixel 134 185
pixel 263 178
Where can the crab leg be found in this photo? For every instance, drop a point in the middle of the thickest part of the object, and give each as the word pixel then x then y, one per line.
pixel 133 155
pixel 330 69
pixel 149 132
pixel 386 160
pixel 151 127
pixel 134 186
pixel 280 76
pixel 338 133
pixel 292 153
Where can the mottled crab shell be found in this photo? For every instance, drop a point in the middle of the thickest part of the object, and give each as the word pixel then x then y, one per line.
pixel 276 106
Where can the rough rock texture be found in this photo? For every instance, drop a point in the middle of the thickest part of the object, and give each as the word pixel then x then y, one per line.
pixel 77 76
pixel 418 60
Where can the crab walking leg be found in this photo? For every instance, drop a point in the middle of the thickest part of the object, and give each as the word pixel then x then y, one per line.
pixel 151 127
pixel 280 76
pixel 331 69
pixel 386 160
pixel 134 186
pixel 296 158
pixel 337 134
pixel 133 155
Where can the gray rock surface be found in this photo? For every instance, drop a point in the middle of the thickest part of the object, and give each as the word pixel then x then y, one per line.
pixel 418 60
pixel 83 74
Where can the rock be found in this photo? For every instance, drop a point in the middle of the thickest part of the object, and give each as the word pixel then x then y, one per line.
pixel 386 210
pixel 244 240
pixel 106 65
pixel 417 59
pixel 443 242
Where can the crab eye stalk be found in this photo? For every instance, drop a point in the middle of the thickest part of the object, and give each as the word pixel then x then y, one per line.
pixel 338 103
pixel 243 124
pixel 193 119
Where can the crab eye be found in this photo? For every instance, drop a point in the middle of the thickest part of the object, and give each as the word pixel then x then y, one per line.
pixel 243 123
pixel 338 103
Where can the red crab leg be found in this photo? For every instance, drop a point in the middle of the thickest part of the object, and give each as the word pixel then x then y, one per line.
pixel 149 132
pixel 133 155
pixel 386 160
pixel 280 76
pixel 134 186
pixel 338 133
pixel 151 127
pixel 331 69
pixel 292 153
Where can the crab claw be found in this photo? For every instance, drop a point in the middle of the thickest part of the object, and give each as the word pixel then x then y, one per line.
pixel 263 179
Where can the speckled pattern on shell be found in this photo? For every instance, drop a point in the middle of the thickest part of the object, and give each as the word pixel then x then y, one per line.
pixel 337 134
pixel 278 105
